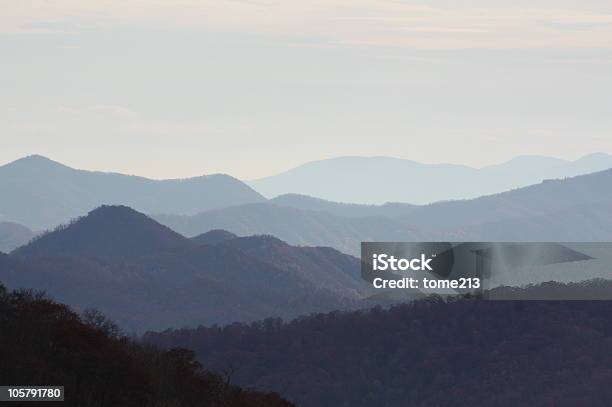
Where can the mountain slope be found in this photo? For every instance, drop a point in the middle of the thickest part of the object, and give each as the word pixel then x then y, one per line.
pixel 295 226
pixel 342 209
pixel 13 235
pixel 569 209
pixel 322 266
pixel 540 199
pixel 41 193
pixel 147 277
pixel 580 223
pixel 375 180
pixel 10 265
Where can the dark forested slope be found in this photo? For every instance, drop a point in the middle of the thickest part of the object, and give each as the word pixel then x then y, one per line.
pixel 43 342
pixel 107 231
pixel 462 352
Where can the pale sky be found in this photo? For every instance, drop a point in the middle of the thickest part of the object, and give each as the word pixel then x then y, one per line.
pixel 253 87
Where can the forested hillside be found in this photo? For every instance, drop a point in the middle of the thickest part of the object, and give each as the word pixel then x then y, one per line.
pixel 146 276
pixel 43 342
pixel 460 352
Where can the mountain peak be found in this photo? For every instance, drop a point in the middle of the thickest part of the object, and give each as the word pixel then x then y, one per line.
pixel 213 237
pixel 37 157
pixel 596 158
pixel 41 193
pixel 108 231
pixel 36 165
pixel 531 159
pixel 358 179
pixel 34 159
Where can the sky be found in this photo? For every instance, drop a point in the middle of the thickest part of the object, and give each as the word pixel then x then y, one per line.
pixel 170 89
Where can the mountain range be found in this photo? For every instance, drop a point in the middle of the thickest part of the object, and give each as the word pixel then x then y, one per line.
pixel 211 251
pixel 40 193
pixel 572 209
pixel 590 222
pixel 350 210
pixel 145 276
pixel 545 198
pixel 375 180
pixel 294 225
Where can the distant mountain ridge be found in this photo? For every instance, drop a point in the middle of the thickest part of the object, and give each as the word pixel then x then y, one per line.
pixel 41 193
pixel 295 226
pixel 376 180
pixel 13 235
pixel 571 209
pixel 540 199
pixel 343 209
pixel 590 222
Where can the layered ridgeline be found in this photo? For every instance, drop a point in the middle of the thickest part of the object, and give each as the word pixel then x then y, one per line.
pixel 41 193
pixel 43 343
pixel 350 210
pixel 545 199
pixel 376 180
pixel 427 353
pixel 146 276
pixel 295 225
pixel 572 209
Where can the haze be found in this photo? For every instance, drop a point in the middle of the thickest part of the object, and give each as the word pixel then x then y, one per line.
pixel 251 88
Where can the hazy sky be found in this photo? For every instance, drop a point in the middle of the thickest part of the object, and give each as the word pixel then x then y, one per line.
pixel 253 87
